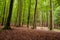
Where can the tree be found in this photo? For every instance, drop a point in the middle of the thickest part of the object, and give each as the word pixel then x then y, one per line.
pixel 29 13
pixel 6 10
pixel 3 13
pixel 19 20
pixel 23 12
pixel 7 25
pixel 51 11
pixel 35 15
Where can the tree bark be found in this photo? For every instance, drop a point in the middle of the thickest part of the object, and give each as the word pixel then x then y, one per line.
pixel 3 13
pixel 29 13
pixel 51 11
pixel 35 15
pixel 19 13
pixel 7 25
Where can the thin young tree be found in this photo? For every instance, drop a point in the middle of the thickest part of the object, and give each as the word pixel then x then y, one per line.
pixel 35 16
pixel 19 20
pixel 6 10
pixel 24 8
pixel 29 7
pixel 3 12
pixel 7 25
pixel 51 12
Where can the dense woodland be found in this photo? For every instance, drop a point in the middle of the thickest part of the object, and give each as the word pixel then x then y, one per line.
pixel 29 19
pixel 36 13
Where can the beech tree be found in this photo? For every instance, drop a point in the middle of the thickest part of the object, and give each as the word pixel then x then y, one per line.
pixel 35 15
pixel 7 25
pixel 29 13
pixel 3 13
pixel 19 13
pixel 51 12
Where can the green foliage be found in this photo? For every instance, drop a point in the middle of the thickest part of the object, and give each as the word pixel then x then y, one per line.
pixel 57 15
pixel 42 10
pixel 58 1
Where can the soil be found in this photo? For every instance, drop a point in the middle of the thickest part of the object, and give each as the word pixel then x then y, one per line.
pixel 28 34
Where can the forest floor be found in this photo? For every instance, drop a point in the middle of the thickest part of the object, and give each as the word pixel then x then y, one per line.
pixel 23 33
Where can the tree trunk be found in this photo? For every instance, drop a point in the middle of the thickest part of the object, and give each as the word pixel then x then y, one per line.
pixel 7 25
pixel 29 13
pixel 19 13
pixel 51 11
pixel 35 15
pixel 3 13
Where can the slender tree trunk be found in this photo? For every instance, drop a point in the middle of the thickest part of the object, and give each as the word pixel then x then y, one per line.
pixel 19 13
pixel 42 19
pixel 29 13
pixel 24 7
pixel 6 11
pixel 51 11
pixel 35 15
pixel 3 13
pixel 7 25
pixel 16 22
pixel 47 18
pixel 23 17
